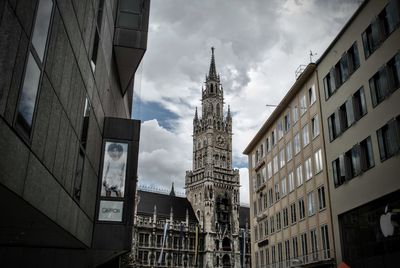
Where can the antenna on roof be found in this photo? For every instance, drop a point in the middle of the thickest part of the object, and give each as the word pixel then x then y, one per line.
pixel 312 55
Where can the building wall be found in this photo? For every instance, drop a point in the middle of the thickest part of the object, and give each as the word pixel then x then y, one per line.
pixel 54 169
pixel 382 178
pixel 264 207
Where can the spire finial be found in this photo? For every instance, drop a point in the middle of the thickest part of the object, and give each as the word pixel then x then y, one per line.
pixel 172 188
pixel 212 74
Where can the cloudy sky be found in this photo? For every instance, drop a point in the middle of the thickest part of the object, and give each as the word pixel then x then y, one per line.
pixel 258 46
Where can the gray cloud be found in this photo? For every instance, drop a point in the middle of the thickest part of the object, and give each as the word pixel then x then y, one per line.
pixel 258 44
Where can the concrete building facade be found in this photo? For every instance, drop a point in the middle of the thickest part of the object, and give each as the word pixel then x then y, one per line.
pixel 358 81
pixel 66 84
pixel 290 211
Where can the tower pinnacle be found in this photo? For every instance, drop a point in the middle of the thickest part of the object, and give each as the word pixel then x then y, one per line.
pixel 212 74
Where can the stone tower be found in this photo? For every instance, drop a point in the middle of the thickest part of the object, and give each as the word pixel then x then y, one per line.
pixel 212 186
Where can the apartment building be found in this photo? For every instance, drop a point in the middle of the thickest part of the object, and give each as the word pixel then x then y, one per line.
pixel 290 210
pixel 358 81
pixel 66 85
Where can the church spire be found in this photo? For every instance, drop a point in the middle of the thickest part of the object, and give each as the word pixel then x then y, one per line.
pixel 172 193
pixel 212 74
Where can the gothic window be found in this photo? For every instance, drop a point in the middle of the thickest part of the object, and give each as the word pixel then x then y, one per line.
pixel 218 109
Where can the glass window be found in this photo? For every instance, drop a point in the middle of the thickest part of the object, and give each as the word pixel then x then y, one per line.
pixel 311 94
pixel 27 100
pixel 306 137
pixel 277 195
pixel 325 242
pixel 285 217
pixel 321 197
pixel 304 249
pixel 315 126
pixel 308 169
pixel 388 140
pixel 360 107
pixel 291 181
pixel 295 112
pixel 303 104
pixel 284 191
pixel 276 167
pixel 302 212
pixel 289 151
pixel 282 158
pixel 280 129
pixel 269 169
pixel 295 247
pixel 278 221
pixel 41 28
pixel 287 122
pixel 293 213
pixel 311 203
pixel 318 161
pixel 314 244
pixel 296 141
pixel 299 174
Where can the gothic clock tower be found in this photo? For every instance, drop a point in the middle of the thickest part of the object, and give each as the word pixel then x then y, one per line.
pixel 212 187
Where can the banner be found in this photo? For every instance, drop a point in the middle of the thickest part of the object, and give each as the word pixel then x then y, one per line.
pixel 196 244
pixel 244 248
pixel 163 242
pixel 180 236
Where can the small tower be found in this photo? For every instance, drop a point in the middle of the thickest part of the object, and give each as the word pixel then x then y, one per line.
pixel 212 186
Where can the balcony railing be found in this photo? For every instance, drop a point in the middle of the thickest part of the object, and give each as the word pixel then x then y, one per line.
pixel 323 256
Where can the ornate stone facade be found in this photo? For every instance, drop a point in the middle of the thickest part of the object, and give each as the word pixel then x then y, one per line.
pixel 212 187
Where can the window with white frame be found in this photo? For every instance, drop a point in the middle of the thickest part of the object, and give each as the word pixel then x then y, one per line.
pixel 325 242
pixel 311 203
pixel 277 194
pixel 302 210
pixel 314 244
pixel 305 134
pixel 291 181
pixel 269 169
pixel 321 197
pixel 311 94
pixel 296 141
pixel 289 151
pixel 315 126
pixel 282 157
pixel 308 169
pixel 318 161
pixel 299 175
pixel 303 104
pixel 283 188
pixel 276 167
pixel 295 113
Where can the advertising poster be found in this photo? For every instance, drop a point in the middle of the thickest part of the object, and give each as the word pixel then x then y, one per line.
pixel 114 169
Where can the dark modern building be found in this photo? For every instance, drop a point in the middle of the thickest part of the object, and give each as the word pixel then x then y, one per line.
pixel 69 162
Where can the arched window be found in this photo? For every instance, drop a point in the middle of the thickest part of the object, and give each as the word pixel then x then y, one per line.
pixel 218 109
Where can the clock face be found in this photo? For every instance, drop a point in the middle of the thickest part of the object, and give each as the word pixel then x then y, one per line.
pixel 220 140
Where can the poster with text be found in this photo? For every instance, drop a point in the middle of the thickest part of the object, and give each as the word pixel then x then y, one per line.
pixel 110 210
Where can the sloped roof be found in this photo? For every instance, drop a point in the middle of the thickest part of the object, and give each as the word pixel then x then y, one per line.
pixel 244 216
pixel 164 202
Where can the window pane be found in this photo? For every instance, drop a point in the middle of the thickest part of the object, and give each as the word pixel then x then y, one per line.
pixel 41 28
pixel 27 100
